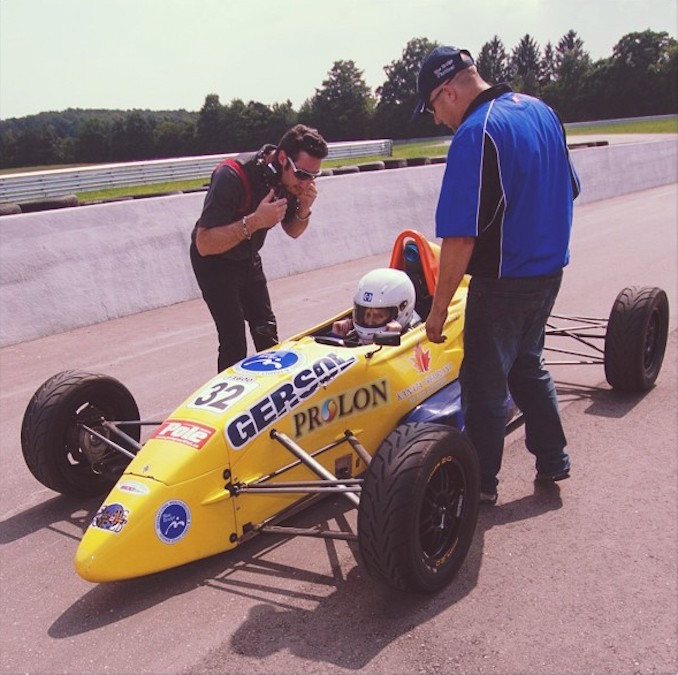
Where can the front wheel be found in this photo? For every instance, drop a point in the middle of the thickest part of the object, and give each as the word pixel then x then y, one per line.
pixel 59 451
pixel 636 336
pixel 419 506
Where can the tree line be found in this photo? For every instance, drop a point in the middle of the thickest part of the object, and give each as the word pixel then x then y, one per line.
pixel 638 79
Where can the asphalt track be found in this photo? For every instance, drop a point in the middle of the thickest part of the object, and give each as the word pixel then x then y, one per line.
pixel 579 578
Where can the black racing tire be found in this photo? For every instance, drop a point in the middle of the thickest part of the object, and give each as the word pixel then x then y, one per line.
pixel 49 203
pixel 635 340
pixel 418 161
pixel 343 170
pixel 419 506
pixel 9 209
pixel 61 455
pixel 371 166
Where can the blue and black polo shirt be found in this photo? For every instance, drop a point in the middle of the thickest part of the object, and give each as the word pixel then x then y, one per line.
pixel 510 183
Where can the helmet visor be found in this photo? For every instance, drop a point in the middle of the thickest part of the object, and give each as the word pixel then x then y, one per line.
pixel 373 317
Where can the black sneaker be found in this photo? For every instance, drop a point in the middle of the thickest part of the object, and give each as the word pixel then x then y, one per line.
pixel 488 497
pixel 553 477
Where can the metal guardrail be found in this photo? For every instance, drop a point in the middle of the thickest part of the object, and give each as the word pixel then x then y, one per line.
pixel 620 120
pixel 20 187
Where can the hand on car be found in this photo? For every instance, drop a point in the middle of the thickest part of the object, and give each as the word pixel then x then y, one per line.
pixel 434 325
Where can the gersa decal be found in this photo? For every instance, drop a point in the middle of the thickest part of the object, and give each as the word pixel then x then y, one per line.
pixel 187 433
pixel 349 402
pixel 286 397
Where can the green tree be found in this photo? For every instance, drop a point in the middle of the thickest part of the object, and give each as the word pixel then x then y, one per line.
pixel 397 97
pixel 137 140
pixel 567 89
pixel 524 66
pixel 668 77
pixel 208 128
pixel 492 61
pixel 93 141
pixel 174 139
pixel 8 150
pixel 548 66
pixel 570 43
pixel 283 116
pixel 256 120
pixel 37 146
pixel 342 108
pixel 232 135
pixel 639 64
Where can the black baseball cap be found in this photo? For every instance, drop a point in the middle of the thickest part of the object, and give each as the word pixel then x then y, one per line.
pixel 441 64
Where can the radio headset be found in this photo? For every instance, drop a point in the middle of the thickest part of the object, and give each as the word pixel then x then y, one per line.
pixel 270 172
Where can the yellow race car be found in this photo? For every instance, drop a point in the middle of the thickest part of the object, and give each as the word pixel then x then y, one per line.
pixel 379 423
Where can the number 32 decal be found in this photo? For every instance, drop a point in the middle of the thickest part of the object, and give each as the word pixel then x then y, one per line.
pixel 220 396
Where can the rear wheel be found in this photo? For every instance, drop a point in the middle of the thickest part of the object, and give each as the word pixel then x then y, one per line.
pixel 636 336
pixel 58 451
pixel 419 507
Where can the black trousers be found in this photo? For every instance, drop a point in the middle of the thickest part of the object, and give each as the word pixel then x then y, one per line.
pixel 236 292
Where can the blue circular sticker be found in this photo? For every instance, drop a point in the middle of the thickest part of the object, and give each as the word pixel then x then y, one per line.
pixel 270 362
pixel 172 522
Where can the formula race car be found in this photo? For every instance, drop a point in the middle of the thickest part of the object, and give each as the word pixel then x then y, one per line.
pixel 379 423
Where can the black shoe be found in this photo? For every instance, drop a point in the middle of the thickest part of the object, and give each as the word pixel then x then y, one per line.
pixel 553 477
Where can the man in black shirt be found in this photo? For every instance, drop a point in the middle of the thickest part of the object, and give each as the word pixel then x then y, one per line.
pixel 244 201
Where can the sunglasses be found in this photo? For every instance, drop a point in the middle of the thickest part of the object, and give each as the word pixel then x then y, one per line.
pixel 302 174
pixel 429 108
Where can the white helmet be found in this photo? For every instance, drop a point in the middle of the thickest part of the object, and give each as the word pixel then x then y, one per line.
pixel 382 289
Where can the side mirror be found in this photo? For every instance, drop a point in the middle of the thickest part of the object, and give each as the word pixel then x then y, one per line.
pixel 387 339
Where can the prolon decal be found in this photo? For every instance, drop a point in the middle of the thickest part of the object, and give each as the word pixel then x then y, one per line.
pixel 366 397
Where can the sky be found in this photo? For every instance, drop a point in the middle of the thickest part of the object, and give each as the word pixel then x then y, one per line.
pixel 170 54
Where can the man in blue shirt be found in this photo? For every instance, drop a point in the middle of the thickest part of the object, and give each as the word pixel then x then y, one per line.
pixel 504 215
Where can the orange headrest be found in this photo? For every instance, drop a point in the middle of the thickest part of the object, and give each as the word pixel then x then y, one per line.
pixel 428 253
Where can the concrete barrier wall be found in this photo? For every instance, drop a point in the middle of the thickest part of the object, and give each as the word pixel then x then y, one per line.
pixel 74 267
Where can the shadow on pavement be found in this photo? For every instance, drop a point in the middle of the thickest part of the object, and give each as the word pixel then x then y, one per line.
pixel 51 514
pixel 604 402
pixel 352 625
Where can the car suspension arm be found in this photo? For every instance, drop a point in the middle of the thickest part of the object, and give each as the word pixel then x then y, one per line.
pixel 311 463
pixel 307 532
pixel 108 441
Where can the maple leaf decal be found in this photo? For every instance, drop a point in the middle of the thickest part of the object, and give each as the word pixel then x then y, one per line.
pixel 421 358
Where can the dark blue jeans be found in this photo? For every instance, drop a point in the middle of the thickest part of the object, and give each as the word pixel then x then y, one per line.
pixel 503 344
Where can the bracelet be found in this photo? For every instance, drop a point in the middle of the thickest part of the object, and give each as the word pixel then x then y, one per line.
pixel 245 231
pixel 298 217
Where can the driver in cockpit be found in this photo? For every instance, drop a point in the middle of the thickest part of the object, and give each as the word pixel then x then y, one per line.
pixel 383 302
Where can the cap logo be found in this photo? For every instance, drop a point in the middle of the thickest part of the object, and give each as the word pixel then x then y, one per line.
pixel 446 68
